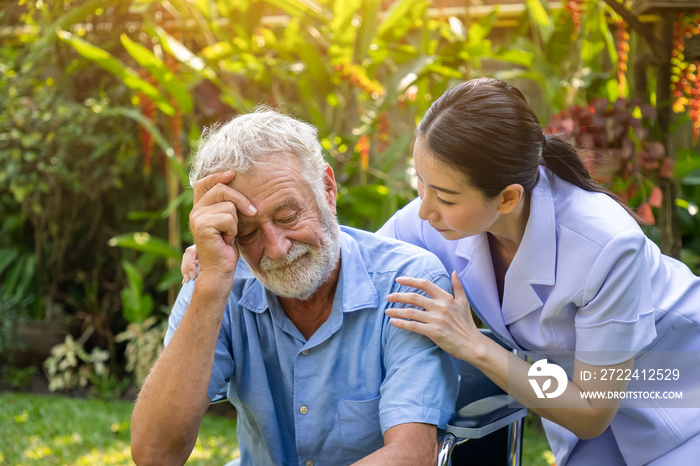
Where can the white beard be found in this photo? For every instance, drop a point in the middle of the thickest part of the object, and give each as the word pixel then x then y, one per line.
pixel 303 270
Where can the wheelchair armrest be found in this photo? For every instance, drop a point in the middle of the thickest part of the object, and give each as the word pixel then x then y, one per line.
pixel 480 418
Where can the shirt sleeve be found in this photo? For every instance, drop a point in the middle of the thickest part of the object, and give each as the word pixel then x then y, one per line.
pixel 421 379
pixel 223 360
pixel 617 319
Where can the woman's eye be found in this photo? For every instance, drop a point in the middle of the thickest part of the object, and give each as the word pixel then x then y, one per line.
pixel 444 202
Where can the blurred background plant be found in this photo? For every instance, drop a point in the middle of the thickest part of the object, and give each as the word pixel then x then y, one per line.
pixel 105 99
pixel 144 334
pixel 71 366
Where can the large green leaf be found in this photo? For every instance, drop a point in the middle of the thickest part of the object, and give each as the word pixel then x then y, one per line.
pixel 137 307
pixel 157 68
pixel 516 57
pixel 303 8
pixel 114 66
pixel 398 13
pixel 406 75
pixel 74 15
pixel 145 242
pixel 692 178
pixel 539 15
pixel 159 139
pixel 687 161
pixel 368 29
pixel 133 277
pixel 342 23
pixel 7 257
pixel 197 64
pixel 367 206
pixel 559 44
pixel 482 28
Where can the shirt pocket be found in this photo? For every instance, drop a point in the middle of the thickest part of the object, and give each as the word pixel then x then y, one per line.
pixel 360 431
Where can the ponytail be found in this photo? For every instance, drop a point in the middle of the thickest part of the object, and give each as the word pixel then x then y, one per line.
pixel 562 159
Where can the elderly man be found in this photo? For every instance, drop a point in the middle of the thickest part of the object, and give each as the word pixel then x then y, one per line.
pixel 294 333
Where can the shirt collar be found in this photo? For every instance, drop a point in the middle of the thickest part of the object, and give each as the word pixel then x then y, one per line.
pixel 536 256
pixel 535 261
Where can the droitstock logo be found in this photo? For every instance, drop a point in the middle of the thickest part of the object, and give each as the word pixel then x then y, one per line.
pixel 546 372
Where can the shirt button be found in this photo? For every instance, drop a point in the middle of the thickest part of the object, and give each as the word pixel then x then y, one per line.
pixel 305 352
pixel 309 463
pixel 303 410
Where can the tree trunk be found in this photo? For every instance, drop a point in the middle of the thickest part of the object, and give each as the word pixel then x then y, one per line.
pixel 668 214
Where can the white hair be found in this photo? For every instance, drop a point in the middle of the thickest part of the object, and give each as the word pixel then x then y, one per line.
pixel 256 139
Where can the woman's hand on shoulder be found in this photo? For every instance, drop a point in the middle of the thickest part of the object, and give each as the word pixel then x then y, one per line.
pixel 447 320
pixel 189 264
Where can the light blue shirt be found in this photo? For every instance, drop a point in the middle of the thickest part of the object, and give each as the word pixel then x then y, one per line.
pixel 329 399
pixel 587 281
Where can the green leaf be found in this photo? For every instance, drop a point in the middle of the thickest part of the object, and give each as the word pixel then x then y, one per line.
pixel 517 57
pixel 473 51
pixel 137 307
pixel 7 257
pixel 157 68
pixel 172 278
pixel 74 15
pixel 599 11
pixel 159 139
pixel 343 13
pixel 197 64
pixel 560 41
pixel 406 75
pixel 686 162
pixel 133 276
pixel 482 28
pixel 367 206
pixel 397 13
pixel 204 8
pixel 368 29
pixel 114 66
pixel 183 54
pixel 145 242
pixel 540 17
pixel 692 178
pixel 302 8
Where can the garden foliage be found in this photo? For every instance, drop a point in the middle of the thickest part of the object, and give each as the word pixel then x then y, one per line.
pixel 104 100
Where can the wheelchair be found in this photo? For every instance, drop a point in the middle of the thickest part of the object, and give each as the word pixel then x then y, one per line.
pixel 487 417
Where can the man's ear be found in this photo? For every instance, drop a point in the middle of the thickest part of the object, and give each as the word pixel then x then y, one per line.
pixel 510 197
pixel 330 187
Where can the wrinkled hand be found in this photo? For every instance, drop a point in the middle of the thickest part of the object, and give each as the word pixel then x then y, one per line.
pixel 214 223
pixel 189 264
pixel 446 320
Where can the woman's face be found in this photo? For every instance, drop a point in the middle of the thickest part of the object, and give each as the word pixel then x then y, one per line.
pixel 449 203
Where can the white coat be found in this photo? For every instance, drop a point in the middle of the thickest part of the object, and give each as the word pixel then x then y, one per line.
pixel 587 281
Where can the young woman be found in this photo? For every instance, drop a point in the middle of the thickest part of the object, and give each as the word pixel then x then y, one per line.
pixel 557 268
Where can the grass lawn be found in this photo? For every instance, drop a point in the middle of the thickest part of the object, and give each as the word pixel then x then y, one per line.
pixel 37 429
pixel 536 450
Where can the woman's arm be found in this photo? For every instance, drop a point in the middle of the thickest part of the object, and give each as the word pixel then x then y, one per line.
pixel 447 321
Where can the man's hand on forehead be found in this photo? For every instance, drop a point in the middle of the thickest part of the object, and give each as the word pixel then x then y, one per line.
pixel 216 188
pixel 214 222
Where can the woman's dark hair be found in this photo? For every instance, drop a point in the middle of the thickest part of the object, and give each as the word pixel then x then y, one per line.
pixel 485 128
